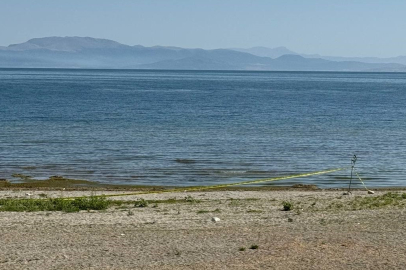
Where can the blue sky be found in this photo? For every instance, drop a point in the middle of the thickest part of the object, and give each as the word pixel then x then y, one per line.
pixel 339 28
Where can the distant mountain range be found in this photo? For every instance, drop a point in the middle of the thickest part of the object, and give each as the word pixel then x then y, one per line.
pixel 86 52
pixel 279 51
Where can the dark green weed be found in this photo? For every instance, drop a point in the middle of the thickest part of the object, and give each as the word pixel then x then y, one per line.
pixel 287 206
pixel 209 211
pixel 57 204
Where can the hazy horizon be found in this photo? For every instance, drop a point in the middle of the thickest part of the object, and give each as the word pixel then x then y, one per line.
pixel 333 28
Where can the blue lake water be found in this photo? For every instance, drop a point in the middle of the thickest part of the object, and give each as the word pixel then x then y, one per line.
pixel 202 127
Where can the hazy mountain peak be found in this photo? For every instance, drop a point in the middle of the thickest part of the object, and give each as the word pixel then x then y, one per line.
pixel 167 47
pixel 290 57
pixel 266 52
pixel 71 44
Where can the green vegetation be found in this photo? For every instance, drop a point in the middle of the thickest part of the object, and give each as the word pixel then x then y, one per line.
pixel 241 249
pixel 141 203
pixel 155 203
pixel 235 202
pixel 254 211
pixel 21 176
pixel 254 247
pixel 389 199
pixel 190 199
pixel 59 182
pixel 287 206
pixel 51 182
pixel 209 211
pixel 58 204
pixel 373 202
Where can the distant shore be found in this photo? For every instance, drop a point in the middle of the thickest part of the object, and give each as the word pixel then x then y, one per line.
pixel 226 229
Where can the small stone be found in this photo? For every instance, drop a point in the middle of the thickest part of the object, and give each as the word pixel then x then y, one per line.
pixel 215 219
pixel 371 192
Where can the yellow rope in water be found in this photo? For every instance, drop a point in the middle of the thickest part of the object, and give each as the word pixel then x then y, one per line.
pixel 362 181
pixel 220 186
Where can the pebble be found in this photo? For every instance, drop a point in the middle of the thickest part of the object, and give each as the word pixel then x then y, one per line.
pixel 215 219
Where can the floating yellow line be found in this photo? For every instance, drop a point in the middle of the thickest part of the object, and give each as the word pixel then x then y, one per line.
pixel 221 185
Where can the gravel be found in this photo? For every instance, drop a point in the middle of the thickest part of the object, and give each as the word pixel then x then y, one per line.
pixel 183 236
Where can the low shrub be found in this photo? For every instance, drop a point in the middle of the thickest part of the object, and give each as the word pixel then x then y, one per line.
pixel 141 203
pixel 287 206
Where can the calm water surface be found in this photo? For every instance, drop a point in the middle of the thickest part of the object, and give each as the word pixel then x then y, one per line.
pixel 202 127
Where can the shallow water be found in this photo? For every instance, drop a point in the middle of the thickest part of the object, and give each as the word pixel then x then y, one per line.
pixel 202 127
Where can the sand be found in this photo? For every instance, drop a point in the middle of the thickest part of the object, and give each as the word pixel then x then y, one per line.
pixel 316 234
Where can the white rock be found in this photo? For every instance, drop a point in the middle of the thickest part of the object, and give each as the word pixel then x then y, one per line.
pixel 28 194
pixel 215 219
pixel 371 192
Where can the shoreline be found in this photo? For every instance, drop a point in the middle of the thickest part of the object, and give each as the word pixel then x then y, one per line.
pixel 61 183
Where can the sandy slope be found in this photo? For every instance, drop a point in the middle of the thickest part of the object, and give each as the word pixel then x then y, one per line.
pixel 182 235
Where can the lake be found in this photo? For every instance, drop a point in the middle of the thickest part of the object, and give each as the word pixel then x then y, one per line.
pixel 185 128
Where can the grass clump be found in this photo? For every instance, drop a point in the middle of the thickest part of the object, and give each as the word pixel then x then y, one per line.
pixel 217 210
pixel 141 203
pixel 241 249
pixel 254 247
pixel 385 200
pixel 251 199
pixel 287 206
pixel 254 211
pixel 54 204
pixel 190 199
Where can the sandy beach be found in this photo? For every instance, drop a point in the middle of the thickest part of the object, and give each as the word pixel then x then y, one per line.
pixel 323 230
